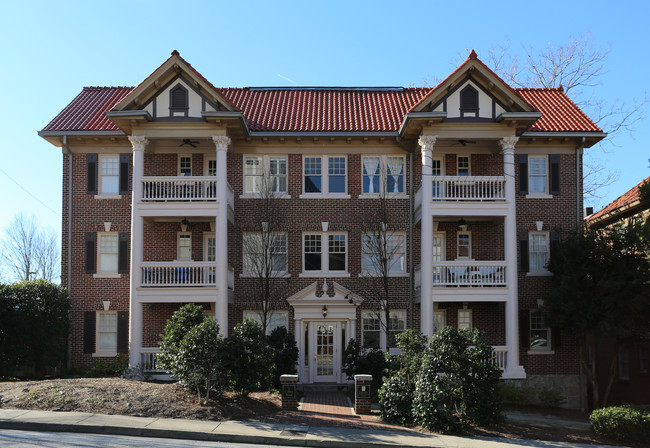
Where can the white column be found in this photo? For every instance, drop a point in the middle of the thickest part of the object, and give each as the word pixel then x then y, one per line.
pixel 137 251
pixel 299 334
pixel 514 369
pixel 221 232
pixel 426 239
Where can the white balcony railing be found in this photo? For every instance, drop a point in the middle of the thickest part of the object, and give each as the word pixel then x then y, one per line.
pixel 180 188
pixel 469 188
pixel 500 357
pixel 179 274
pixel 149 360
pixel 469 273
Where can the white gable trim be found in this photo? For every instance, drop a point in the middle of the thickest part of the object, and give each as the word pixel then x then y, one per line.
pixel 343 305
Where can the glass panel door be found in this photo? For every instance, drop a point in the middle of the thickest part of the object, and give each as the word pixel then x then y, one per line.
pixel 325 360
pixel 438 255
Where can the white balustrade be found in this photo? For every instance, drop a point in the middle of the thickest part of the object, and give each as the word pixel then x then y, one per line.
pixel 469 188
pixel 179 188
pixel 469 273
pixel 178 274
pixel 500 357
pixel 149 360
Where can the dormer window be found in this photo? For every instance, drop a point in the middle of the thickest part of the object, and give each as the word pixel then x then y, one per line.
pixel 469 102
pixel 178 101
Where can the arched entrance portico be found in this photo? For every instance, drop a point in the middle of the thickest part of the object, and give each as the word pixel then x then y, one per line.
pixel 322 339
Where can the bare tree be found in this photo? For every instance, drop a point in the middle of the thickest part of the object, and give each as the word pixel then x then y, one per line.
pixel 383 251
pixel 265 243
pixel 29 252
pixel 578 66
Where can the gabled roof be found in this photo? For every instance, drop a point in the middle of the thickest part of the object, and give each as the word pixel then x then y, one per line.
pixel 623 203
pixel 312 109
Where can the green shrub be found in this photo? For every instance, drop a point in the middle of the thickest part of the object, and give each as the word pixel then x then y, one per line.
pixel 247 358
pixel 457 383
pixel 182 321
pixel 514 394
pixel 115 367
pixel 623 423
pixel 357 361
pixel 550 397
pixel 396 399
pixel 285 353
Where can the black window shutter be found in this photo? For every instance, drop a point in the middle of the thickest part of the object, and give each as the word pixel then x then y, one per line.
pixel 89 332
pixel 555 338
pixel 524 326
pixel 124 173
pixel 122 331
pixel 554 178
pixel 91 252
pixel 523 251
pixel 555 242
pixel 523 173
pixel 123 253
pixel 91 173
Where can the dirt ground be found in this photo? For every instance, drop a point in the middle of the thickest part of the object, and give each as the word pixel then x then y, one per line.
pixel 118 396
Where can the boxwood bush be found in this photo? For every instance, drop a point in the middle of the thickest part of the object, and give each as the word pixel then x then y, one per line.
pixel 623 423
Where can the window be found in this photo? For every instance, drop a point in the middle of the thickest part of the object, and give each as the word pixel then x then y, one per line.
pixel 255 170
pixel 538 251
pixel 371 329
pixel 374 253
pixel 109 180
pixel 185 165
pixel 464 319
pixel 184 249
pixel 464 245
pixel 275 319
pixel 396 325
pixel 623 364
pixel 210 166
pixel 540 333
pixel 106 332
pixel 463 166
pixel 108 253
pixel 382 174
pixel 537 180
pixel 439 320
pixel 325 253
pixel 325 175
pixel 275 245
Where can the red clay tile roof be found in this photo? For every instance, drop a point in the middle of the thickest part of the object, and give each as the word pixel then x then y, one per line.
pixel 628 198
pixel 319 109
pixel 87 112
pixel 559 113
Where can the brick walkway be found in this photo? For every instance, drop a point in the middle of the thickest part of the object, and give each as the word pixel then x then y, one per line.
pixel 327 409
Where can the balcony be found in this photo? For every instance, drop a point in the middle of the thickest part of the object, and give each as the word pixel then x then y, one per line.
pixel 182 274
pixel 466 195
pixel 467 281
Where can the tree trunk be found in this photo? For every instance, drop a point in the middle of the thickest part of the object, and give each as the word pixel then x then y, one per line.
pixel 612 375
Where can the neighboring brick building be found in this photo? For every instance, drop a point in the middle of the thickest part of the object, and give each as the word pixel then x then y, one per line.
pixel 161 195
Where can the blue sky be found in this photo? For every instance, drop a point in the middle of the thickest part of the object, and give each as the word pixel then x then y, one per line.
pixel 52 49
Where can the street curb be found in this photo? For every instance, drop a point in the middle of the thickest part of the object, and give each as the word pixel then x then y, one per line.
pixel 194 435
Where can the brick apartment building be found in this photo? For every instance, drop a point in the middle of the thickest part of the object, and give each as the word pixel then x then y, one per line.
pixel 162 192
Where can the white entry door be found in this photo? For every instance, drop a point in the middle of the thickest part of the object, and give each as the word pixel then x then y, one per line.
pixel 325 353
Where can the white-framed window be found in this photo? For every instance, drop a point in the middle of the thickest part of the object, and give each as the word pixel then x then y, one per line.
pixel 539 252
pixel 256 167
pixel 540 332
pixel 185 165
pixel 254 247
pixel 465 319
pixel 463 167
pixel 464 245
pixel 184 246
pixel 325 252
pixel 209 246
pixel 439 320
pixel 371 329
pixel 537 175
pixel 109 175
pixel 210 166
pixel 106 333
pixel 623 364
pixel 275 319
pixel 107 255
pixel 383 174
pixel 396 325
pixel 325 175
pixel 374 254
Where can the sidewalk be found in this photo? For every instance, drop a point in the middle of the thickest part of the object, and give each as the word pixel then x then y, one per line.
pixel 247 431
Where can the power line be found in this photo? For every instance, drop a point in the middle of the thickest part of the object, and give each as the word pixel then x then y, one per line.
pixel 26 191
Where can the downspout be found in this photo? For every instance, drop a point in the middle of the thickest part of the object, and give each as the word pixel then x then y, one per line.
pixel 579 181
pixel 68 152
pixel 410 230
